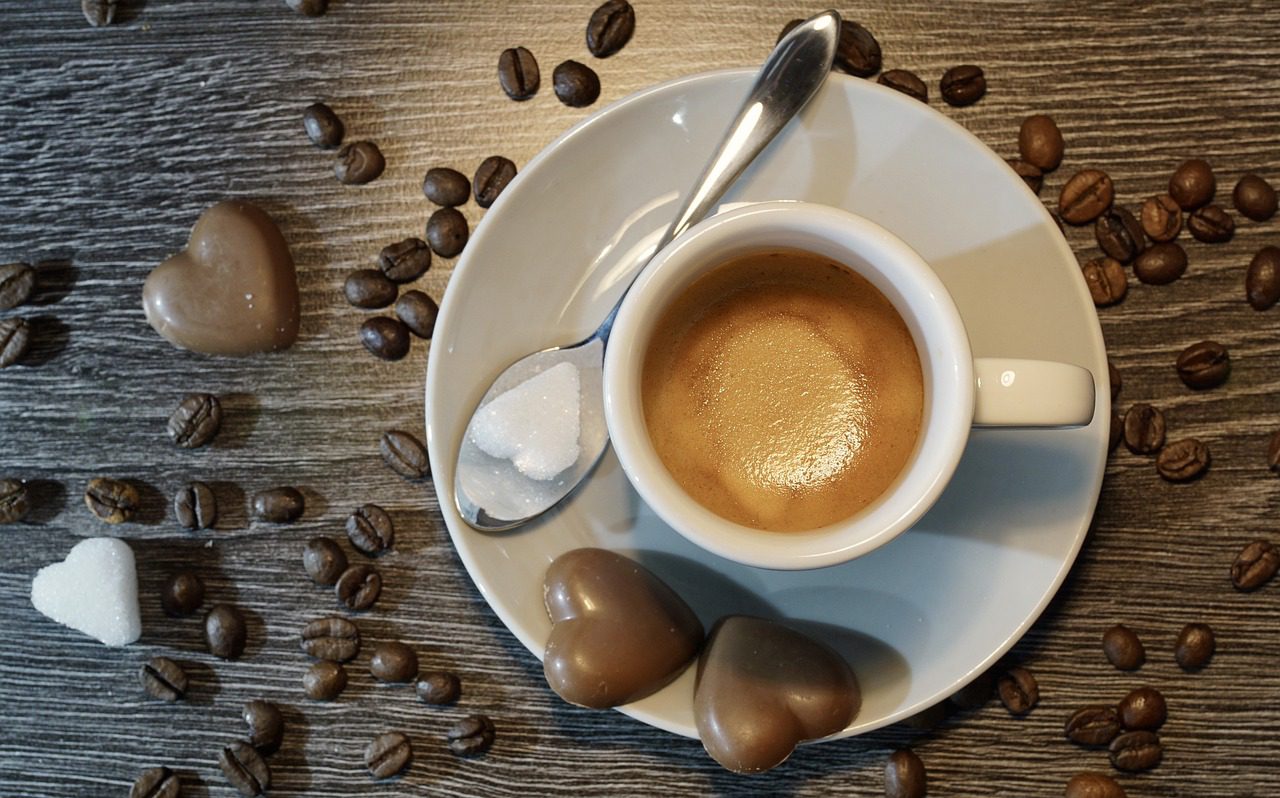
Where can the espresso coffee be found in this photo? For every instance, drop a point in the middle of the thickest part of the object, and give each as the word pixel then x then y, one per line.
pixel 783 391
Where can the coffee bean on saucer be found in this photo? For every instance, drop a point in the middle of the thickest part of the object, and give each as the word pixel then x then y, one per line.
pixel 14 501
pixel 335 638
pixel 447 232
pixel 1123 648
pixel 907 82
pixel 1120 235
pixel 1204 365
pixel 385 337
pixel 111 500
pixel 1143 708
pixel 963 85
pixel 388 754
pixel 1085 196
pixel 244 769
pixel 1195 646
pixel 1262 281
pixel 1018 690
pixel 393 662
pixel 1136 750
pixel 1255 565
pixel 1094 785
pixel 471 736
pixel 1096 724
pixel 324 680
pixel 359 163
pixel 1273 454
pixel 418 312
pixel 224 631
pixel 1211 224
pixel 195 506
pixel 1113 377
pixel 858 52
pixel 279 505
pixel 404 454
pixel 1161 217
pixel 518 73
pixel 358 587
pixel 323 126
pixel 1030 174
pixel 1040 142
pixel 439 687
pixel 163 679
pixel 904 775
pixel 309 8
pixel 99 13
pixel 1161 263
pixel 195 421
pixel 446 187
pixel 323 560
pixel 369 289
pixel 17 282
pixel 266 725
pixel 1106 280
pixel 610 28
pixel 1143 429
pixel 182 594
pixel 1115 431
pixel 576 84
pixel 492 176
pixel 370 529
pixel 1192 184
pixel 158 782
pixel 15 337
pixel 405 261
pixel 1255 198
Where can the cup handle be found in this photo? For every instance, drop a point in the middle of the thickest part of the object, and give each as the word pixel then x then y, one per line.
pixel 1031 393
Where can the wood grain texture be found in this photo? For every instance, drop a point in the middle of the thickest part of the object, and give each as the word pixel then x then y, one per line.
pixel 115 139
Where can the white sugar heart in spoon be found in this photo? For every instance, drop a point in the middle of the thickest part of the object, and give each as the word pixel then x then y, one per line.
pixel 94 590
pixel 536 424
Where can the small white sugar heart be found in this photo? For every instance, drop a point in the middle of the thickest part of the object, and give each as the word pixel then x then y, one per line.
pixel 536 424
pixel 94 590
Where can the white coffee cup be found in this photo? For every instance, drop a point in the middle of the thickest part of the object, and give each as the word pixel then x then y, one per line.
pixel 959 391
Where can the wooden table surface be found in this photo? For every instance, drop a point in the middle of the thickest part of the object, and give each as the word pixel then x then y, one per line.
pixel 112 141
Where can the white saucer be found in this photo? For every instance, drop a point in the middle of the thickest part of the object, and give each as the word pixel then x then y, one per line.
pixel 917 618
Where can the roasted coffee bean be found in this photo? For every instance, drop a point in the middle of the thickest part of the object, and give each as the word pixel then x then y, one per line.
pixel 358 587
pixel 447 232
pixel 1113 376
pixel 310 8
pixel 1161 218
pixel 405 261
pixel 14 501
pixel 1192 184
pixel 323 560
pixel 471 736
pixel 323 126
pixel 1143 708
pixel 1018 690
pixel 787 28
pixel 195 506
pixel 1094 785
pixel 370 529
pixel 195 421
pixel 445 186
pixel 904 775
pixel 385 337
pixel 17 281
pixel 1273 454
pixel 15 337
pixel 1123 648
pixel 907 82
pixel 492 176
pixel 1085 196
pixel 963 85
pixel 393 662
pixel 858 52
pixel 927 719
pixel 279 505
pixel 225 632
pixel 610 28
pixel 1097 724
pixel 333 638
pixel 245 769
pixel 369 288
pixel 518 73
pixel 111 500
pixel 99 13
pixel 182 594
pixel 324 680
pixel 1211 224
pixel 976 693
pixel 1262 281
pixel 576 84
pixel 1256 563
pixel 1040 142
pixel 1120 235
pixel 1183 460
pixel 1136 750
pixel 1255 198
pixel 1195 646
pixel 163 678
pixel 1204 365
pixel 266 725
pixel 1106 280
pixel 404 454
pixel 439 687
pixel 387 755
pixel 359 163
pixel 1161 263
pixel 1030 174
pixel 1115 431
pixel 157 782
pixel 418 312
pixel 1143 429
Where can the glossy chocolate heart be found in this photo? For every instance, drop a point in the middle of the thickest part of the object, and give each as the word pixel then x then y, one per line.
pixel 763 688
pixel 619 632
pixel 232 291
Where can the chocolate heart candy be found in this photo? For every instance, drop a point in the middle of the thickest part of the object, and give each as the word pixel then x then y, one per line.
pixel 619 632
pixel 232 291
pixel 762 688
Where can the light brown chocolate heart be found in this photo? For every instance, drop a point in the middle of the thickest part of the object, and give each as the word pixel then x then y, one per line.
pixel 619 633
pixel 763 688
pixel 232 291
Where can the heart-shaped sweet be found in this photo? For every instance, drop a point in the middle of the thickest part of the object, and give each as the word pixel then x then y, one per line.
pixel 232 291
pixel 94 590
pixel 762 688
pixel 619 632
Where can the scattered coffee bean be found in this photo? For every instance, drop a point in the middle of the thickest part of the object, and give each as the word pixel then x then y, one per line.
pixel 1113 376
pixel 1115 431
pixel 323 560
pixel 439 687
pixel 14 501
pixel 195 421
pixel 245 769
pixel 224 631
pixel 858 52
pixel 963 85
pixel 471 736
pixel 909 83
pixel 1195 646
pixel 323 126
pixel 182 594
pixel 492 176
pixel 15 337
pixel 1256 563
pixel 111 500
pixel 1097 724
pixel 334 638
pixel 1262 281
pixel 927 719
pixel 518 73
pixel 324 680
pixel 1183 460
pixel 157 782
pixel 610 28
pixel 1030 174
pixel 309 8
pixel 1040 142
pixel 418 312
pixel 1123 648
pixel 1161 217
pixel 393 662
pixel 358 587
pixel 1106 280
pixel 17 281
pixel 369 288
pixel 388 754
pixel 1120 235
pixel 385 337
pixel 1255 198
pixel 1143 429
pixel 1211 224
pixel 447 232
pixel 976 693
pixel 279 505
pixel 370 529
pixel 1136 750
pixel 1085 196
pixel 359 163
pixel 404 454
pixel 195 506
pixel 99 13
pixel 576 84
pixel 1192 184
pixel 1018 690
pixel 1094 785
pixel 1204 365
pixel 1143 708
pixel 904 775
pixel 1273 453
pixel 1161 263
pixel 446 187
pixel 405 261
pixel 266 725
pixel 163 678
